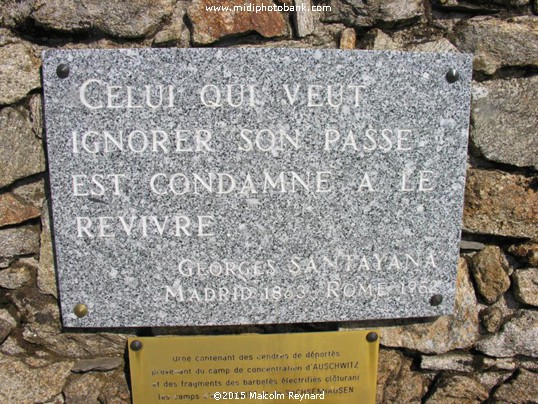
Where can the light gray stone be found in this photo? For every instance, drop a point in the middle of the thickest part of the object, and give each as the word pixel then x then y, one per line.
pixel 500 203
pixel 525 283
pixel 376 39
pixel 386 13
pixel 17 241
pixel 483 6
pixel 116 389
pixel 5 329
pixel 46 276
pixel 172 33
pixel 521 390
pixel 492 379
pixel 18 146
pixel 490 271
pixel 7 37
pixel 395 12
pixel 504 120
pixel 21 383
pixel 15 12
pixel 8 317
pixel 497 43
pixel 98 364
pixel 19 74
pixel 41 327
pixel 32 192
pixel 529 364
pixel 471 245
pixel 14 277
pixel 519 336
pixel 325 36
pixel 446 333
pixel 296 235
pixel 75 345
pixel 5 262
pixel 458 389
pixel 11 347
pixel 504 3
pixel 509 364
pixel 440 45
pixel 7 324
pixel 303 17
pixel 36 115
pixel 84 389
pixel 125 19
pixel 57 399
pixel 33 307
pixel 38 359
pixel 450 362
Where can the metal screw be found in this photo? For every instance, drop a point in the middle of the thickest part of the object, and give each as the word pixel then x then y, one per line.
pixel 436 300
pixel 136 345
pixel 452 76
pixel 62 71
pixel 80 310
pixel 371 336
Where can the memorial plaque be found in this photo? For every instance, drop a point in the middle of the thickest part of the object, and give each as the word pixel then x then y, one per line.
pixel 335 367
pixel 241 186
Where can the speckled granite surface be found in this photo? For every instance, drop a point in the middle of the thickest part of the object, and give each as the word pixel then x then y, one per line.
pixel 297 199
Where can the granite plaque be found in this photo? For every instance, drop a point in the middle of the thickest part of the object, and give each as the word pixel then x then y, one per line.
pixel 336 367
pixel 245 186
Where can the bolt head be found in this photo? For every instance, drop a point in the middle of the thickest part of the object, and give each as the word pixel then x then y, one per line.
pixel 136 345
pixel 372 336
pixel 452 76
pixel 436 300
pixel 62 71
pixel 80 310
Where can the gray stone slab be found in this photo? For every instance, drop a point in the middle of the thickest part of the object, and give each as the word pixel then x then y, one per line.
pixel 284 226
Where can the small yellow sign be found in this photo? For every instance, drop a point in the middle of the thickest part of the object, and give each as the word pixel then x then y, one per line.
pixel 324 367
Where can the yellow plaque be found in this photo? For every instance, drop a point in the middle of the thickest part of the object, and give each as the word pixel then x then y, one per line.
pixel 329 367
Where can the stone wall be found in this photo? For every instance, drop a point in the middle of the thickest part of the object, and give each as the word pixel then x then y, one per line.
pixel 486 352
